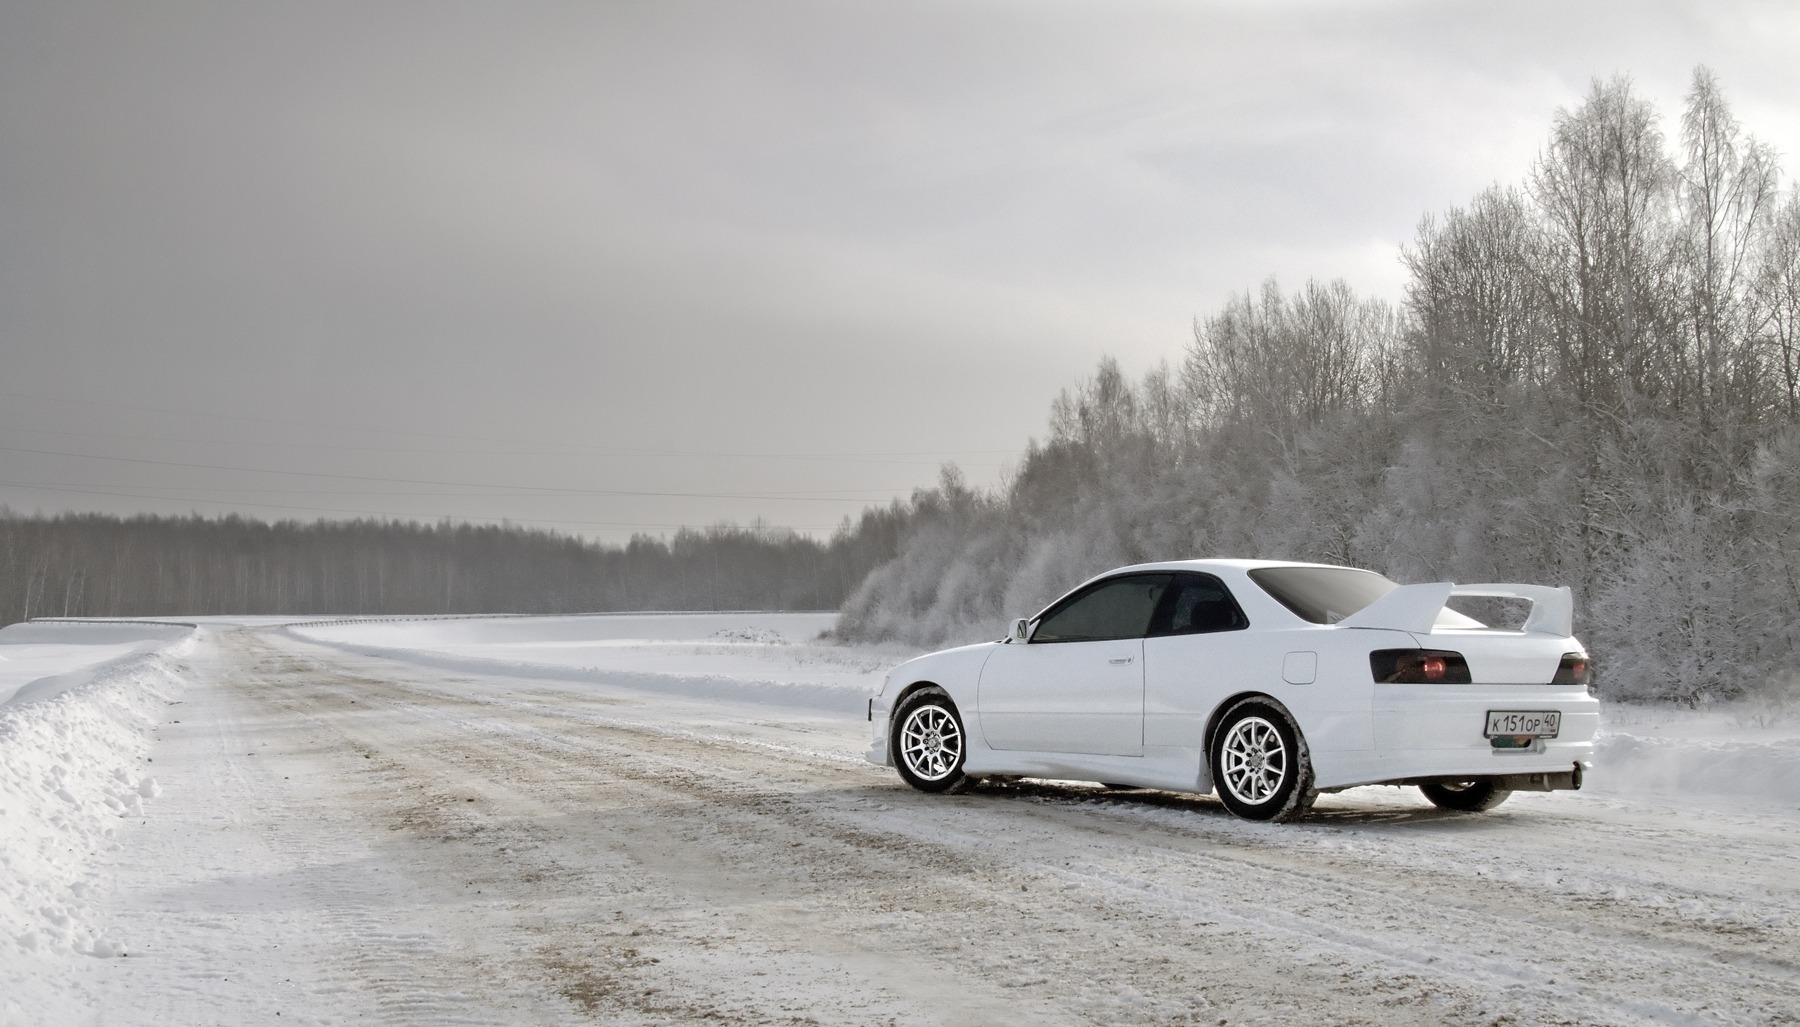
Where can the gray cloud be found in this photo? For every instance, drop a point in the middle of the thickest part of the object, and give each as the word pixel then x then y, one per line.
pixel 698 247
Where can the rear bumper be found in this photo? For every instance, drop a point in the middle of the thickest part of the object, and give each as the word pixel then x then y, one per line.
pixel 1453 716
pixel 1427 733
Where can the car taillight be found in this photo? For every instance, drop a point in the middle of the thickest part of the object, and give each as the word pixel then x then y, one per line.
pixel 1419 667
pixel 1575 669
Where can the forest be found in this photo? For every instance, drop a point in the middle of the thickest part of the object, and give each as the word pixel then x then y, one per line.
pixel 1590 380
pixel 96 565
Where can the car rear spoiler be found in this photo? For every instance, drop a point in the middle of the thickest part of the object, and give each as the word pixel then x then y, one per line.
pixel 1415 608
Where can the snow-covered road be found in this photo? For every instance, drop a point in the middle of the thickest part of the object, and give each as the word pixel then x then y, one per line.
pixel 347 838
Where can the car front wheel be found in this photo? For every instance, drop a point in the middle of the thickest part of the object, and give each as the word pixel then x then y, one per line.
pixel 1477 796
pixel 929 742
pixel 1260 766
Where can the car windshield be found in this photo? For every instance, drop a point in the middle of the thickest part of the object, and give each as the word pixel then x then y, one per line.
pixel 1323 595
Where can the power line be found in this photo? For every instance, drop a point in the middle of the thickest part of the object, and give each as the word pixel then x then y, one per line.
pixel 813 496
pixel 396 516
pixel 931 455
pixel 569 449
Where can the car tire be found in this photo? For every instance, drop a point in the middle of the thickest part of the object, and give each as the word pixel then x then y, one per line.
pixel 1261 769
pixel 1475 796
pixel 929 743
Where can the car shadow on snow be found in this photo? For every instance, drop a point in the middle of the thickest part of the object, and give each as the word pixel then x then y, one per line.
pixel 1373 806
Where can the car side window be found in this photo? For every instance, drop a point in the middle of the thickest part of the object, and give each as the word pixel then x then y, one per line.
pixel 1116 608
pixel 1199 603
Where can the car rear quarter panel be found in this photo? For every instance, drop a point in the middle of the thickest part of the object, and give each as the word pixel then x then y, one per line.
pixel 1335 710
pixel 1187 678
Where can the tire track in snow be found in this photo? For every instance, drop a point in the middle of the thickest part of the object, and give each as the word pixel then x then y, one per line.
pixel 1754 972
pixel 724 852
pixel 815 865
pixel 498 829
pixel 1620 958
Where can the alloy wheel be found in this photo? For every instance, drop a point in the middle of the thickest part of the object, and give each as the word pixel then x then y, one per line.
pixel 1254 760
pixel 931 742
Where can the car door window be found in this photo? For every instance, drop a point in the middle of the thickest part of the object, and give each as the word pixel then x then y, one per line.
pixel 1118 608
pixel 1200 603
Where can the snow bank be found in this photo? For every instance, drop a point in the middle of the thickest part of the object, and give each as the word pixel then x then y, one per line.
pixel 1646 751
pixel 772 658
pixel 93 632
pixel 42 659
pixel 71 766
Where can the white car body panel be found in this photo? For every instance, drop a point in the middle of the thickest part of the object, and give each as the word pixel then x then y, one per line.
pixel 1066 710
pixel 1077 697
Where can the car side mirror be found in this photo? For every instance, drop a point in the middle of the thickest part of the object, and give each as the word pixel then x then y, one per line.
pixel 1021 630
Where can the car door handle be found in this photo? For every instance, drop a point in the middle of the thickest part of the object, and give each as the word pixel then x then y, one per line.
pixel 1120 659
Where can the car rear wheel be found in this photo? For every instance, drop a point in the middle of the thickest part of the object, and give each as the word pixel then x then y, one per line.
pixel 1476 796
pixel 929 742
pixel 1260 766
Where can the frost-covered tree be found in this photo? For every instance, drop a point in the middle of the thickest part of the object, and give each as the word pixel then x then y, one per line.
pixel 1480 314
pixel 1728 194
pixel 1778 293
pixel 1592 381
pixel 1288 361
pixel 1603 185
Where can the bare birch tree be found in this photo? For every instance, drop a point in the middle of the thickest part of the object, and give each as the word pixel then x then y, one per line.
pixel 1728 194
pixel 1603 184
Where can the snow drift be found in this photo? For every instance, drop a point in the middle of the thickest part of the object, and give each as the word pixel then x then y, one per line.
pixel 42 659
pixel 72 766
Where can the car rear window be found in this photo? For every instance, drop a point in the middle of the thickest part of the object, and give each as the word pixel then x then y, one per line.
pixel 1323 595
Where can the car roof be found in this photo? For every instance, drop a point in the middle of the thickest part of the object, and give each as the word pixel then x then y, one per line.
pixel 1216 564
pixel 1234 571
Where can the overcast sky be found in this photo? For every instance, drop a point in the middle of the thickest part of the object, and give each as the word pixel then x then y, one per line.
pixel 622 266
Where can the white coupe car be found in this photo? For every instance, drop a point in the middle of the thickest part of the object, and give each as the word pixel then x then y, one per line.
pixel 1266 682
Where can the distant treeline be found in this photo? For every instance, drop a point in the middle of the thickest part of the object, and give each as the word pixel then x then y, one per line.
pixel 1593 380
pixel 94 565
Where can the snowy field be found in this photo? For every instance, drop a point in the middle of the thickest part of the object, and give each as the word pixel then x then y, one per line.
pixel 651 819
pixel 40 660
pixel 773 658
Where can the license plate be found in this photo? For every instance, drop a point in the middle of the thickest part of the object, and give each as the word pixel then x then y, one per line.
pixel 1529 723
